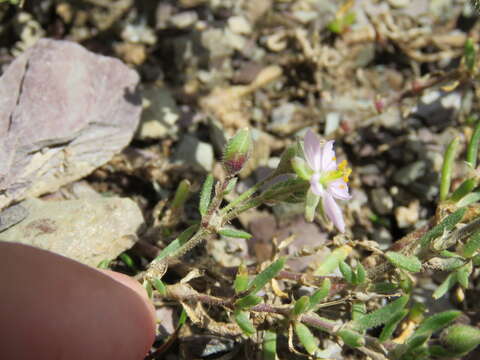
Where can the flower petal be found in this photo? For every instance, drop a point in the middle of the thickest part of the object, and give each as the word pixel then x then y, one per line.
pixel 328 157
pixel 339 189
pixel 312 148
pixel 333 211
pixel 315 185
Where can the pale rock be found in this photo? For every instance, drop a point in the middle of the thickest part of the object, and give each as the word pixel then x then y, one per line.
pixel 239 25
pixel 408 216
pixel 381 201
pixel 184 19
pixel 160 114
pixel 196 153
pixel 64 111
pixel 88 231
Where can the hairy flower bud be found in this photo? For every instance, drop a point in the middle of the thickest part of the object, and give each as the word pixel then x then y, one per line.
pixel 460 339
pixel 237 152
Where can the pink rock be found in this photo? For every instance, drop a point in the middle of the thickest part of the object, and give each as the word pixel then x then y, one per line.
pixel 64 111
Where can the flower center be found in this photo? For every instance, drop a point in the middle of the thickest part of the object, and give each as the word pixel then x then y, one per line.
pixel 342 171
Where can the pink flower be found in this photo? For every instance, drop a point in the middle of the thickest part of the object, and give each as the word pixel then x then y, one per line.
pixel 328 180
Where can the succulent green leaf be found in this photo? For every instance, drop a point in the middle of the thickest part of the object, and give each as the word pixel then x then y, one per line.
pixel 104 264
pixel 148 288
pixel 241 280
pixel 382 315
pixel 206 195
pixel 181 195
pixel 301 305
pixel 463 274
pixel 446 225
pixel 359 309
pixel 127 260
pixel 233 233
pixel 321 293
pixel 391 325
pixel 243 320
pixel 447 168
pixel 472 148
pixel 332 260
pixel 408 263
pixel 351 338
pixel 269 345
pixel 266 275
pixel 182 319
pixel 384 287
pixel 248 301
pixel 306 337
pixel 177 243
pixel 463 190
pixel 436 322
pixel 445 286
pixel 361 274
pixel 469 199
pixel 469 54
pixel 159 286
pixel 471 246
pixel 346 271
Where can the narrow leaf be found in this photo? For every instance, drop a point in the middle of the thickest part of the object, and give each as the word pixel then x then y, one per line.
pixel 233 233
pixel 391 325
pixel 469 199
pixel 445 286
pixel 332 260
pixel 248 301
pixel 266 275
pixel 177 243
pixel 463 190
pixel 351 338
pixel 181 195
pixel 446 225
pixel 205 195
pixel 241 280
pixel 447 168
pixel 269 345
pixel 301 305
pixel 469 54
pixel 436 322
pixel 160 286
pixel 359 310
pixel 321 293
pixel 408 263
pixel 104 264
pixel 361 274
pixel 306 338
pixel 471 246
pixel 382 315
pixel 127 260
pixel 346 271
pixel 244 322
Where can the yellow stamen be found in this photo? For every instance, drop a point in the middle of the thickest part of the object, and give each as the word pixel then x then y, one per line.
pixel 334 158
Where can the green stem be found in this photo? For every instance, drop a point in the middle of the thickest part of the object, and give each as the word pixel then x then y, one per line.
pixel 259 200
pixel 246 194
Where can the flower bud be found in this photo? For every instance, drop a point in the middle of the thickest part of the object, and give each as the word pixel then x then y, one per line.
pixel 460 339
pixel 237 152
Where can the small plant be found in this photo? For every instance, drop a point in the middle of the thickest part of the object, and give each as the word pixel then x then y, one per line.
pixel 314 175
